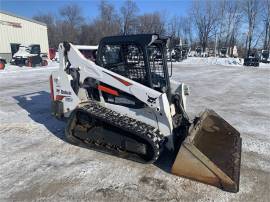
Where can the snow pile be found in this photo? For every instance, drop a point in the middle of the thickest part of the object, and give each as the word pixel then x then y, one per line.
pixel 214 61
pixel 238 62
pixel 265 65
pixel 13 68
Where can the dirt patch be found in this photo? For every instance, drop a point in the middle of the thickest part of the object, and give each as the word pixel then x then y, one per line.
pixel 153 182
pixel 43 191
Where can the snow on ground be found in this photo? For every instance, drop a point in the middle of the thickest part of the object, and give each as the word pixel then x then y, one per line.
pixel 265 65
pixel 13 68
pixel 36 163
pixel 213 61
pixel 236 62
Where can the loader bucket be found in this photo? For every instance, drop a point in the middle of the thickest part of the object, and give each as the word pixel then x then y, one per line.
pixel 211 153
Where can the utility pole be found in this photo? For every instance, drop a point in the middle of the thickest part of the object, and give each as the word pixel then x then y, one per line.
pixel 216 45
pixel 246 45
pixel 266 45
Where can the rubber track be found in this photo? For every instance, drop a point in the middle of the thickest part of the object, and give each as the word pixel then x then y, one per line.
pixel 149 133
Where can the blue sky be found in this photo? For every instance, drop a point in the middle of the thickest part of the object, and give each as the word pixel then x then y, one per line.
pixel 30 8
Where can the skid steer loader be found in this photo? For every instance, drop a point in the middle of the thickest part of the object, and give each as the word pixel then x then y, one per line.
pixel 125 104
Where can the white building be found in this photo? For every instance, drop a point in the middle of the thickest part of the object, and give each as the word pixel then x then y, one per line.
pixel 16 30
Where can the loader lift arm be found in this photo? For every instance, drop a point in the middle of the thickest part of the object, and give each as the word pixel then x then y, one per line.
pixel 155 100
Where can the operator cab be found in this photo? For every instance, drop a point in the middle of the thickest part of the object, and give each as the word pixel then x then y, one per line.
pixel 141 58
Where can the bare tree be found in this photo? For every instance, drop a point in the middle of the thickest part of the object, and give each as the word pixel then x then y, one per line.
pixel 266 19
pixel 180 28
pixel 205 19
pixel 69 27
pixel 211 22
pixel 49 20
pixel 72 15
pixel 150 23
pixel 173 27
pixel 185 27
pixel 251 10
pixel 128 14
pixel 232 19
pixel 219 30
pixel 89 34
pixel 108 22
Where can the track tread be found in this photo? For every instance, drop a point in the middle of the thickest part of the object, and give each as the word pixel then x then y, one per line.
pixel 149 133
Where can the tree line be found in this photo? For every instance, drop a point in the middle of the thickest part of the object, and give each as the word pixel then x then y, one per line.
pixel 208 23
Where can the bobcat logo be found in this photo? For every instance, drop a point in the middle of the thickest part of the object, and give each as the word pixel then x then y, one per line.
pixel 151 100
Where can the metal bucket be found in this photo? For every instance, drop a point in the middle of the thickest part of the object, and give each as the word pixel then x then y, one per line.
pixel 211 153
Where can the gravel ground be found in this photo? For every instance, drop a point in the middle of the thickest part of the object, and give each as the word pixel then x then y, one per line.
pixel 37 164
